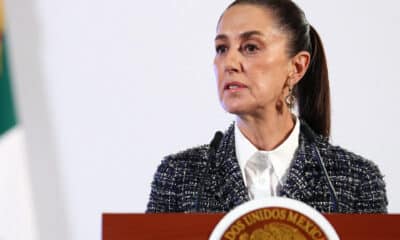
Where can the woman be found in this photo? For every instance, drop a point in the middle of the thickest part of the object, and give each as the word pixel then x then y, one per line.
pixel 268 60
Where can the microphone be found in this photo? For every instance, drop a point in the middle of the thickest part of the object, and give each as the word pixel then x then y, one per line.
pixel 215 141
pixel 211 157
pixel 311 135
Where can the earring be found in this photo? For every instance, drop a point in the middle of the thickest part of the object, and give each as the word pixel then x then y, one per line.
pixel 290 99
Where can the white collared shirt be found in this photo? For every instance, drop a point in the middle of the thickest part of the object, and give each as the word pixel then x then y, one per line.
pixel 280 157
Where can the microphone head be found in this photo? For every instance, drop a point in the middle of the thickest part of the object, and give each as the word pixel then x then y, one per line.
pixel 216 140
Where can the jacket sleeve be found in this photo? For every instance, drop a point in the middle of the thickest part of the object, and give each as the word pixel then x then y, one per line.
pixel 372 192
pixel 163 195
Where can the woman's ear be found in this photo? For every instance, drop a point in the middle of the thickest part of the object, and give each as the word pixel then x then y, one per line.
pixel 299 66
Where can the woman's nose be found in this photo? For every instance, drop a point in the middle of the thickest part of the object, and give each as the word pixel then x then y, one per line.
pixel 232 62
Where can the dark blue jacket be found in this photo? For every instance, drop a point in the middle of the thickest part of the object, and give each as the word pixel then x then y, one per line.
pixel 204 179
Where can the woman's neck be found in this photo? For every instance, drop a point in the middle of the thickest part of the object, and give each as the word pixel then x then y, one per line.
pixel 266 132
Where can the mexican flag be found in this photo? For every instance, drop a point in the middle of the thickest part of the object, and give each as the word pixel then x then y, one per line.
pixel 16 206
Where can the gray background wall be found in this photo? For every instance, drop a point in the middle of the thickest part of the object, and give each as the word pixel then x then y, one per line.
pixel 107 88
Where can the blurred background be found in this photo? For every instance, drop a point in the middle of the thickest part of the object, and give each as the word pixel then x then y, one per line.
pixel 94 93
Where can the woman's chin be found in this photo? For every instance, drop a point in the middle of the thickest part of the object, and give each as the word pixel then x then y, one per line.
pixel 235 109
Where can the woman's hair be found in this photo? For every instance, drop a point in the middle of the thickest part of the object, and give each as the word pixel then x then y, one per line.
pixel 312 92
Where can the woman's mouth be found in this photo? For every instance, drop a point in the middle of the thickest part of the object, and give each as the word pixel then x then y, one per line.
pixel 234 86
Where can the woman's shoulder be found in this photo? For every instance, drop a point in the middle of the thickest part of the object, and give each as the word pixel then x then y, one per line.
pixel 351 172
pixel 348 162
pixel 193 155
pixel 176 171
pixel 200 155
pixel 333 155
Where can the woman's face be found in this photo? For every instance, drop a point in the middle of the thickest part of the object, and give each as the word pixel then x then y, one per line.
pixel 251 63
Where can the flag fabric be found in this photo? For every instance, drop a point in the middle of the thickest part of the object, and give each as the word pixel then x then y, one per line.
pixel 16 206
pixel 7 112
pixel 8 118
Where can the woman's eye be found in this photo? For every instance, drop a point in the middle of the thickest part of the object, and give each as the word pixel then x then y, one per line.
pixel 220 49
pixel 250 48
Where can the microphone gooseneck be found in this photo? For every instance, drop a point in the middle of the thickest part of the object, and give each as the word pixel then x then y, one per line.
pixel 311 135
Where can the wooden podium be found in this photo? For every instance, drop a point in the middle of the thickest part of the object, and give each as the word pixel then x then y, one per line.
pixel 200 226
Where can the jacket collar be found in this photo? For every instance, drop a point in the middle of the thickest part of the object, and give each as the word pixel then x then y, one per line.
pixel 303 178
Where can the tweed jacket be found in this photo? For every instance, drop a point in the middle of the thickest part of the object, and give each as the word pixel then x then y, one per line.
pixel 201 179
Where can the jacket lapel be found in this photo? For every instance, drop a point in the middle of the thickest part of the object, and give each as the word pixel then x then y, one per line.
pixel 231 190
pixel 305 180
pixel 299 182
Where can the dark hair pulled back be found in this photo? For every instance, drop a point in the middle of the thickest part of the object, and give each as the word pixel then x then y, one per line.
pixel 312 92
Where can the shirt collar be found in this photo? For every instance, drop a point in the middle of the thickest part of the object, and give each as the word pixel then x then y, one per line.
pixel 280 157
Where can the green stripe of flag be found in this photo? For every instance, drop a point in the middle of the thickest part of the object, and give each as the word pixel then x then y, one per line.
pixel 8 116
